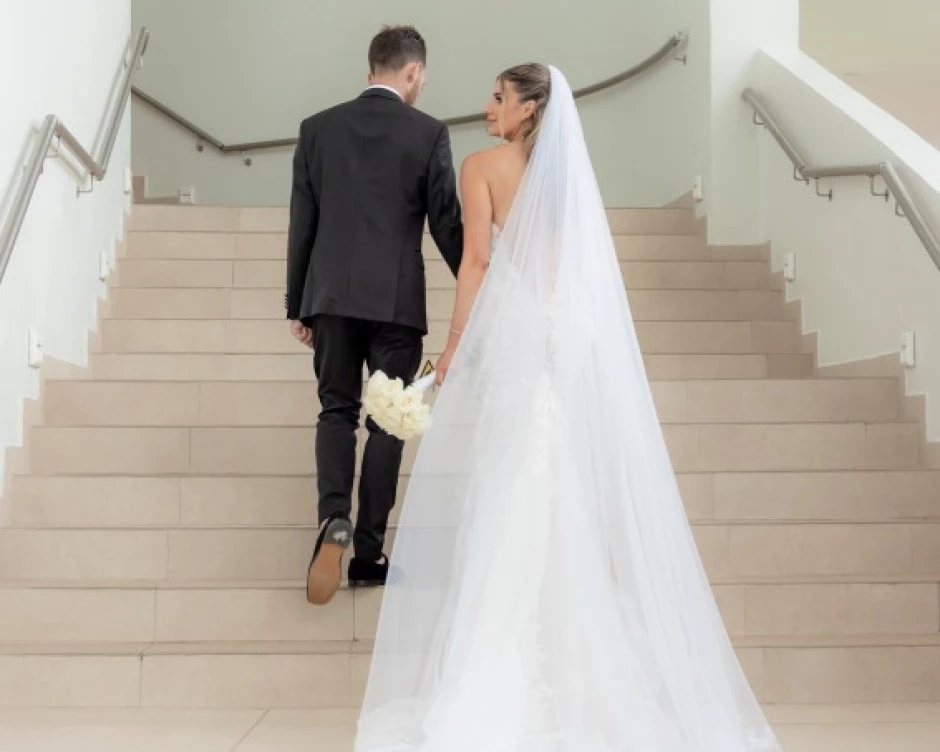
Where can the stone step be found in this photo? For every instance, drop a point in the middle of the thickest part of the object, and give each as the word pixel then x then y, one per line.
pixel 231 219
pixel 220 246
pixel 673 367
pixel 259 304
pixel 172 675
pixel 213 367
pixel 287 451
pixel 254 275
pixel 737 550
pixel 254 337
pixel 804 670
pixel 169 502
pixel 114 403
pixel 201 612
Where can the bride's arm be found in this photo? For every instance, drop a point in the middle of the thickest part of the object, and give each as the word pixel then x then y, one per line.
pixel 478 235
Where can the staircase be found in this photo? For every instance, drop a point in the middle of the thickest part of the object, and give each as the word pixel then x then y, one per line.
pixel 162 513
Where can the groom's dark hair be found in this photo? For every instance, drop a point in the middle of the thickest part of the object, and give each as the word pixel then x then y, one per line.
pixel 395 47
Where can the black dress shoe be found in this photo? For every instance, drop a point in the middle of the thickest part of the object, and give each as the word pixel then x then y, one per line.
pixel 364 573
pixel 325 572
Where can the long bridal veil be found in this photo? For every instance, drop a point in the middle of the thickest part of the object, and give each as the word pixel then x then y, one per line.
pixel 546 593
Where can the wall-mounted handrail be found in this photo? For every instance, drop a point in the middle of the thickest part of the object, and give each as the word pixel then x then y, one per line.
pixel 906 206
pixel 669 49
pixel 52 129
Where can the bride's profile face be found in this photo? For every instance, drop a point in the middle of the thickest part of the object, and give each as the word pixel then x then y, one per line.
pixel 505 112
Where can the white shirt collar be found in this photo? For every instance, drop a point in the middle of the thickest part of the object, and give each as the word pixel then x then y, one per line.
pixel 387 88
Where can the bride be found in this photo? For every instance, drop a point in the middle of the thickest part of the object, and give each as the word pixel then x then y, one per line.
pixel 546 594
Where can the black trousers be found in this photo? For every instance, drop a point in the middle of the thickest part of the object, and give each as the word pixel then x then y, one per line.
pixel 342 347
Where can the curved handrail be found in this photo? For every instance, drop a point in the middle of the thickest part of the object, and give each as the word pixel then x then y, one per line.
pixel 906 206
pixel 53 128
pixel 675 42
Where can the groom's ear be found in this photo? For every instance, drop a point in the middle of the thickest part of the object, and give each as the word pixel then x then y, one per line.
pixel 413 72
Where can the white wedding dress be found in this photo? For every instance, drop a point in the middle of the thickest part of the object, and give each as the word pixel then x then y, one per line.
pixel 546 594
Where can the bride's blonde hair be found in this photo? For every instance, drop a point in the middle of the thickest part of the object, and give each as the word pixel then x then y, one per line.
pixel 533 83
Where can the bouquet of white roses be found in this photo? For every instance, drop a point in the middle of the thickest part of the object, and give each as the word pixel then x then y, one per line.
pixel 396 409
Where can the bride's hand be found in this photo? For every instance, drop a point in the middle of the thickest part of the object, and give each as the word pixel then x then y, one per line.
pixel 443 365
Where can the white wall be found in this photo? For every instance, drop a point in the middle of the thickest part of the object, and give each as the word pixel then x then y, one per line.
pixel 862 274
pixel 61 57
pixel 739 29
pixel 885 50
pixel 245 70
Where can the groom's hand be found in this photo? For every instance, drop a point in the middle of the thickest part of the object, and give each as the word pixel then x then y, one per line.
pixel 302 334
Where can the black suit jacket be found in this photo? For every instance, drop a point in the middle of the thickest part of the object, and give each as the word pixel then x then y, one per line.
pixel 366 174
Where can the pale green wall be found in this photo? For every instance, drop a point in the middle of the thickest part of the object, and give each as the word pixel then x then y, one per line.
pixel 252 69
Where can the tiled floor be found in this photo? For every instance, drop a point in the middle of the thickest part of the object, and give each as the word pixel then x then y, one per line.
pixel 910 728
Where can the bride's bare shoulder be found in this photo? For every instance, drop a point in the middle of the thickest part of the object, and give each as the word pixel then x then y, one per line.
pixel 478 160
pixel 493 161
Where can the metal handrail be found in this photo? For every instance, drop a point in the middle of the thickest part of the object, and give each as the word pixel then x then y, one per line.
pixel 52 128
pixel 802 171
pixel 675 42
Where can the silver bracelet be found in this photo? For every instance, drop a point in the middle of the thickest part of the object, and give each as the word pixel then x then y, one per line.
pixel 456 331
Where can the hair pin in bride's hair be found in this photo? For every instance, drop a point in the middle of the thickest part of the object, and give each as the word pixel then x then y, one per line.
pixel 399 410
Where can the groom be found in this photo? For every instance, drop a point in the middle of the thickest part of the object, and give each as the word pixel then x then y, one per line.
pixel 366 175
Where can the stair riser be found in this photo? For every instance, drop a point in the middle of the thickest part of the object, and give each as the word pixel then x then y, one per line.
pixel 289 451
pixel 637 275
pixel 208 246
pixel 729 552
pixel 102 502
pixel 273 337
pixel 72 616
pixel 297 367
pixel 846 675
pixel 645 305
pixel 89 403
pixel 778 675
pixel 797 610
pixel 229 219
pixel 208 681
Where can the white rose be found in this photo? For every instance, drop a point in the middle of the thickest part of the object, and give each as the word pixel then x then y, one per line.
pixel 380 416
pixel 380 396
pixel 415 423
pixel 409 400
pixel 375 402
pixel 379 381
pixel 391 419
pixel 410 427
pixel 377 384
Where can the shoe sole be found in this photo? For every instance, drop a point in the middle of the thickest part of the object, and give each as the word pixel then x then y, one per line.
pixel 326 572
pixel 366 583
